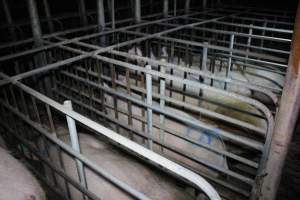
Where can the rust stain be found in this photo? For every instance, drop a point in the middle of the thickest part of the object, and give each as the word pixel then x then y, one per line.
pixel 296 44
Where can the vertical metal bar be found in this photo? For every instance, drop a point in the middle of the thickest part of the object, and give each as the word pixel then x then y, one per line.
pixel 166 8
pixel 149 110
pixel 162 90
pixel 285 121
pixel 37 35
pixel 75 143
pixel 204 57
pixel 137 11
pixel 230 58
pixel 263 34
pixel 129 104
pixel 175 7
pixel 187 6
pixel 9 20
pixel 113 23
pixel 114 86
pixel 204 4
pixel 48 16
pixel 35 22
pixel 82 11
pixel 248 45
pixel 101 20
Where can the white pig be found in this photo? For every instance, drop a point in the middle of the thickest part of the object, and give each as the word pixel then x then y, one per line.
pixel 143 178
pixel 16 181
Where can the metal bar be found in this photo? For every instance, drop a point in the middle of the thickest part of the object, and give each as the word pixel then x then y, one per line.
pixel 35 23
pixel 149 110
pixel 187 6
pixel 204 58
pixel 137 11
pixel 82 12
pixel 113 24
pixel 101 20
pixel 75 144
pixel 166 8
pixel 48 16
pixel 204 4
pixel 178 170
pixel 9 20
pixel 162 105
pixel 285 121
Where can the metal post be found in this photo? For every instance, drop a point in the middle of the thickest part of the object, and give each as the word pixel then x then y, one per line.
pixel 230 58
pixel 75 143
pixel 137 13
pixel 48 16
pixel 35 23
pixel 101 20
pixel 113 24
pixel 9 20
pixel 204 57
pixel 37 35
pixel 100 14
pixel 175 7
pixel 166 8
pixel 248 45
pixel 82 11
pixel 187 6
pixel 285 122
pixel 204 4
pixel 149 102
pixel 162 90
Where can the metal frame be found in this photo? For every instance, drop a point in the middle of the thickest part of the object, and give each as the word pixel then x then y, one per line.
pixel 178 32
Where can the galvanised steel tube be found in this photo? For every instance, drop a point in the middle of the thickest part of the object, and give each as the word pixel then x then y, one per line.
pixel 48 16
pixel 180 171
pixel 166 8
pixel 9 19
pixel 82 12
pixel 75 144
pixel 35 23
pixel 137 11
pixel 100 15
pixel 187 6
pixel 149 110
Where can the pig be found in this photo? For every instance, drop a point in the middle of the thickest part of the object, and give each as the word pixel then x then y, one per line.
pixel 126 168
pixel 16 181
pixel 236 73
pixel 209 138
